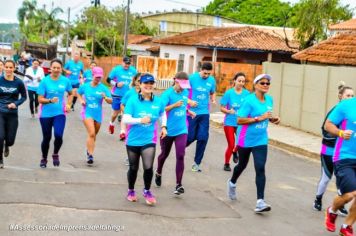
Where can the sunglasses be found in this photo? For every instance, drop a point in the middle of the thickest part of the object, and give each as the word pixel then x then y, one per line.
pixel 265 83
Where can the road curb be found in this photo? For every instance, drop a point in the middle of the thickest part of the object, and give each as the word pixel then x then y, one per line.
pixel 280 144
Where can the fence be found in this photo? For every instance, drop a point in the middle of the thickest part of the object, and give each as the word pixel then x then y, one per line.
pixel 163 69
pixel 303 94
pixel 224 73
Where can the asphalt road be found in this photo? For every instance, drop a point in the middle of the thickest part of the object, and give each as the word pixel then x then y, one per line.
pixel 75 195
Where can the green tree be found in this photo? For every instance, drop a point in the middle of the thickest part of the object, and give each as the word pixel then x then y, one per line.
pixel 258 12
pixel 38 25
pixel 109 29
pixel 312 25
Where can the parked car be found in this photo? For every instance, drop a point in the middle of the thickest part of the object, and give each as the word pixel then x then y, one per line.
pixel 46 65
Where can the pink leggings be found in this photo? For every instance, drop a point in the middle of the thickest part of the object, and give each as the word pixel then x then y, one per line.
pixel 230 137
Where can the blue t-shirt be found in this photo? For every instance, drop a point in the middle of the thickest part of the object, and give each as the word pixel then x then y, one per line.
pixel 119 74
pixel 232 99
pixel 254 134
pixel 50 88
pixel 344 116
pixel 93 100
pixel 76 68
pixel 131 92
pixel 177 117
pixel 200 92
pixel 88 76
pixel 142 134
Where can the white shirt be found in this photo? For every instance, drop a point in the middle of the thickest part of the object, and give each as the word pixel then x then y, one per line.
pixel 36 77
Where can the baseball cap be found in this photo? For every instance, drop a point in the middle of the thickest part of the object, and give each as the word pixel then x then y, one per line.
pixel 147 78
pixel 126 60
pixel 98 72
pixel 262 76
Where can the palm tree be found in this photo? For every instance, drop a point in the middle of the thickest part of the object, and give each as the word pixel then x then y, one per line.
pixel 49 24
pixel 27 10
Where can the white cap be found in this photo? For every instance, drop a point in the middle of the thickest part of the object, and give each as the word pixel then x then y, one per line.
pixel 262 76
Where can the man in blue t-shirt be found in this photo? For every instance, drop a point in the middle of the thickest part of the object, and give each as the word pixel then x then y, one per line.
pixel 202 92
pixel 74 69
pixel 120 78
pixel 342 123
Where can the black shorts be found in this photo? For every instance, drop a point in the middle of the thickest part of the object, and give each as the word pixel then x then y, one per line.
pixel 345 173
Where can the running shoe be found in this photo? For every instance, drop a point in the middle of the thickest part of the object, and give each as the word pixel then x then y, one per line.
pixel 262 206
pixel 227 167
pixel 6 151
pixel 317 204
pixel 131 195
pixel 196 168
pixel 90 159
pixel 56 161
pixel 111 129
pixel 150 199
pixel 1 163
pixel 342 212
pixel 122 136
pixel 231 190
pixel 179 190
pixel 330 219
pixel 348 231
pixel 235 156
pixel 43 163
pixel 158 179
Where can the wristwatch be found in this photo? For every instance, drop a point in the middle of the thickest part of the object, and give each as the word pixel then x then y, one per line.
pixel 256 119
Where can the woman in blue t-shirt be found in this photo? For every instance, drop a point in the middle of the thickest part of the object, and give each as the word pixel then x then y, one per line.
pixel 52 110
pixel 141 116
pixel 253 118
pixel 230 104
pixel 175 101
pixel 88 73
pixel 91 96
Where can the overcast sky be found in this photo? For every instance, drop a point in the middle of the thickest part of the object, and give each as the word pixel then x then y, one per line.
pixel 8 9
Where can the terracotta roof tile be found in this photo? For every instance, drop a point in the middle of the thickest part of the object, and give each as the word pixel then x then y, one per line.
pixel 338 50
pixel 346 25
pixel 139 39
pixel 241 38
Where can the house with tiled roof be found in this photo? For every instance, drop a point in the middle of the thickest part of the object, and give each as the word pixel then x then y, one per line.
pixel 345 26
pixel 337 50
pixel 226 44
pixel 141 45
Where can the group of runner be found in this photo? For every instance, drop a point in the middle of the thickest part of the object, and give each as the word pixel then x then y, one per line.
pixel 182 112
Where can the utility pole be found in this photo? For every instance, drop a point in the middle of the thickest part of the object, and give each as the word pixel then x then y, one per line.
pixel 96 3
pixel 127 24
pixel 43 22
pixel 67 40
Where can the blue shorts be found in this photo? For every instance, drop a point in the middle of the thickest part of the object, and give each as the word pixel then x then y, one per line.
pixel 75 86
pixel 116 102
pixel 345 173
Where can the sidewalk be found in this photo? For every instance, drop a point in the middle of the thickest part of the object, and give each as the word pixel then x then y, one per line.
pixel 287 138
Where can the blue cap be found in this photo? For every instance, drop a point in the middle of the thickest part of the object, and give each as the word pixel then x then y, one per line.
pixel 147 78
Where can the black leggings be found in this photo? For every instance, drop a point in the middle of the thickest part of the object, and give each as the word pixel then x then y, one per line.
pixel 147 153
pixel 259 158
pixel 33 100
pixel 8 129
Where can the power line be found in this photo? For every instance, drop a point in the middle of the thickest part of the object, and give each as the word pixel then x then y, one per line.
pixel 182 3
